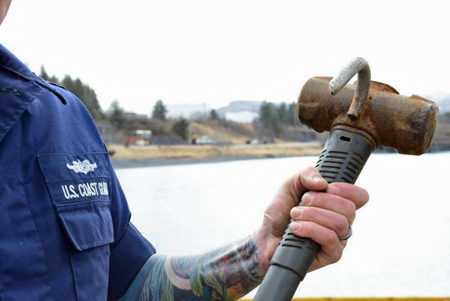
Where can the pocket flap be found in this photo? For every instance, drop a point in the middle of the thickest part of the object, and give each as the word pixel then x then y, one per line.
pixel 87 225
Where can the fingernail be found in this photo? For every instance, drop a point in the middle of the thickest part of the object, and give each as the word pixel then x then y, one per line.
pixel 307 198
pixel 296 226
pixel 318 179
pixel 296 212
pixel 333 190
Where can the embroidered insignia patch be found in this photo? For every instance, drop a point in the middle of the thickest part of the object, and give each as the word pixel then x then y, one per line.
pixel 84 167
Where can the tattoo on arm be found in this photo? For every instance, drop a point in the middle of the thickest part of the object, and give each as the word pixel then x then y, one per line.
pixel 228 273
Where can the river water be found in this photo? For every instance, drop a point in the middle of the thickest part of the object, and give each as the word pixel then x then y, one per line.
pixel 401 241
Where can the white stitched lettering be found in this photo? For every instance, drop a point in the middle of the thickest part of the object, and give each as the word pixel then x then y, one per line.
pixel 69 192
pixel 85 190
pixel 103 188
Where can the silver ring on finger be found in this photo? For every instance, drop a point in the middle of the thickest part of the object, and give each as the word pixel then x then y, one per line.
pixel 348 234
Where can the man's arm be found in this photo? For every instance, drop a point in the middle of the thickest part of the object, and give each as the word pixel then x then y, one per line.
pixel 231 272
pixel 224 274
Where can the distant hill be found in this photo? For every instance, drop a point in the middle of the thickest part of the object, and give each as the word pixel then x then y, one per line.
pixel 240 110
pixel 187 110
pixel 241 105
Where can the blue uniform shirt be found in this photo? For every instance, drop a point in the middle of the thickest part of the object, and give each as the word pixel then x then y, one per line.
pixel 65 231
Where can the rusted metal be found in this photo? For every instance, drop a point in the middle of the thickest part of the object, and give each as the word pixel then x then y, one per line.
pixel 405 123
pixel 357 66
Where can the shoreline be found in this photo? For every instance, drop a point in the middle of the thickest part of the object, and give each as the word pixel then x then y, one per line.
pixel 154 156
pixel 122 163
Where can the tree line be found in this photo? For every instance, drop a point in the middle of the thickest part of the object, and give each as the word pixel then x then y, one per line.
pixel 124 123
pixel 80 89
pixel 271 122
pixel 273 119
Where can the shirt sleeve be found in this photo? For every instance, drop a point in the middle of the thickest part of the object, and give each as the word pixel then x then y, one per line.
pixel 130 249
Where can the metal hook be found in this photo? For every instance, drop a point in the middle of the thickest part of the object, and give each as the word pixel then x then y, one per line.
pixel 360 66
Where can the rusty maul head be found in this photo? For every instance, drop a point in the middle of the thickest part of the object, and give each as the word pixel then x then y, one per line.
pixel 405 123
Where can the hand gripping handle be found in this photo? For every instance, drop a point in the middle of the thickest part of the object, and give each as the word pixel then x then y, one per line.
pixel 342 159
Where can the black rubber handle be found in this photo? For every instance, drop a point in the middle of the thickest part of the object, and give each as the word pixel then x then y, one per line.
pixel 342 159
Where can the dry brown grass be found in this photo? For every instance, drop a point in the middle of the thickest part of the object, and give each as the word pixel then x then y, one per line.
pixel 205 151
pixel 222 133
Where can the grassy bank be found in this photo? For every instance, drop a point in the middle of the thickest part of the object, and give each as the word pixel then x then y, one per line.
pixel 201 152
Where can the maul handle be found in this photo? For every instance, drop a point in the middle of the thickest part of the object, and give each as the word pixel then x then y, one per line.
pixel 344 155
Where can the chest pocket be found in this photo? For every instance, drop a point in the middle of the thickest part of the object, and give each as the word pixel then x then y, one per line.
pixel 79 186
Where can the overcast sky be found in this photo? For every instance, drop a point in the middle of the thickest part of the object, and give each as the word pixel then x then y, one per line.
pixel 215 52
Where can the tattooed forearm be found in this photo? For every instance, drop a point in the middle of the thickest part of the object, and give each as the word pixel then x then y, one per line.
pixel 224 274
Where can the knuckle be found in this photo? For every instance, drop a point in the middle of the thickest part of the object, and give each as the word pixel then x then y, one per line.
pixel 352 207
pixel 330 238
pixel 305 212
pixel 310 214
pixel 341 225
pixel 347 206
pixel 336 256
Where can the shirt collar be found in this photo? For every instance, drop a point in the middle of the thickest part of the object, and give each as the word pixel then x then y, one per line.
pixel 10 62
pixel 18 89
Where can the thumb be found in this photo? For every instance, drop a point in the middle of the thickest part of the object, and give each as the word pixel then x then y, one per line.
pixel 310 179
